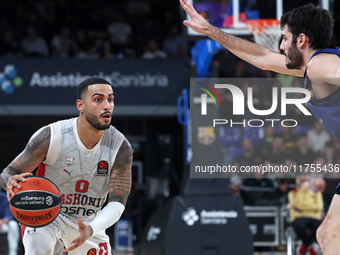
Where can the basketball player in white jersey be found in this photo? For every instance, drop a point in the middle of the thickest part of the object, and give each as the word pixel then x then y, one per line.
pixel 87 159
pixel 306 33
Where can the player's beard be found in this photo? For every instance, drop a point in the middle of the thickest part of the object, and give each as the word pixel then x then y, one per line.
pixel 94 122
pixel 295 58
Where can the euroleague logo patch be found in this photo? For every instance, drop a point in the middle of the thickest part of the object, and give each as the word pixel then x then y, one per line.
pixel 103 168
pixel 92 251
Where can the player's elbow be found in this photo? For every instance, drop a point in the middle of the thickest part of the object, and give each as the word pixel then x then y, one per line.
pixel 321 235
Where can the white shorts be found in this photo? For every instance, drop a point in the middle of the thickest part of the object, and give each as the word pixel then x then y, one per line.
pixel 46 240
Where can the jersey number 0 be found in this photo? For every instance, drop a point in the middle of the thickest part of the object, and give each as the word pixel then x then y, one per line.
pixel 82 186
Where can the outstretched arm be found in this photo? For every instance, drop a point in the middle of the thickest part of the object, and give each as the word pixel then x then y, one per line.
pixel 252 53
pixel 26 161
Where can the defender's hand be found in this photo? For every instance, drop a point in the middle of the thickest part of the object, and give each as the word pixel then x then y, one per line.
pixel 198 23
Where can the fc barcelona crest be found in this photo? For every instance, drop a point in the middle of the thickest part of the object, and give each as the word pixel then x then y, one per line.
pixel 206 135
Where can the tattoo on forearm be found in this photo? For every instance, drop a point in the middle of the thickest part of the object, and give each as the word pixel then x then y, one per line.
pixel 7 173
pixel 34 152
pixel 120 179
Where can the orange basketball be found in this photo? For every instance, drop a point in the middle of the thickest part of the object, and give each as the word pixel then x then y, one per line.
pixel 37 203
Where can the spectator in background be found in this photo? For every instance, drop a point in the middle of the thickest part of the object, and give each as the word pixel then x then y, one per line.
pixel 97 26
pixel 107 51
pixel 249 157
pixel 320 186
pixel 182 53
pixel 9 225
pixel 85 46
pixel 277 155
pixel 146 29
pixel 259 181
pixel 289 138
pixel 223 62
pixel 138 8
pixel 62 44
pixel 34 45
pixel 152 51
pixel 170 45
pixel 318 137
pixel 265 143
pixel 235 186
pixel 260 187
pixel 305 212
pixel 303 154
pixel 328 152
pixel 130 52
pixel 120 32
pixel 280 196
pixel 9 46
pixel 240 69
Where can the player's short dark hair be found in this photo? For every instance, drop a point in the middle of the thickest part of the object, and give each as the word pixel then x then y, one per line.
pixel 82 87
pixel 313 21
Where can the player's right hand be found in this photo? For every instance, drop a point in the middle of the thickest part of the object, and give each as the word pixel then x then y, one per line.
pixel 198 23
pixel 14 182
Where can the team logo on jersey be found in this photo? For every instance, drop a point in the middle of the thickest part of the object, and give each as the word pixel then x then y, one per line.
pixel 92 251
pixel 103 168
pixel 69 161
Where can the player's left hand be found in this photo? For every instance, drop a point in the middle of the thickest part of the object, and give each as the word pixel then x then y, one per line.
pixel 85 231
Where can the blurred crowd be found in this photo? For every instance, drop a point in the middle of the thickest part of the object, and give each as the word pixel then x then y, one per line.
pixel 87 29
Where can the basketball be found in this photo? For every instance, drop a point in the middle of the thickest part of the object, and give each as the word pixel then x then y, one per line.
pixel 37 203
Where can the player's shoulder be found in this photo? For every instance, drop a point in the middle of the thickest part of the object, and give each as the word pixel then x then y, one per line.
pixel 324 58
pixel 320 65
pixel 114 130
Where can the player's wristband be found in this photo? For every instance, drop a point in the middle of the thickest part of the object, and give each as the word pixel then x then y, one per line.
pixel 108 216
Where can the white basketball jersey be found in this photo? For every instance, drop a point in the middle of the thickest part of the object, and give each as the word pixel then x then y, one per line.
pixel 82 175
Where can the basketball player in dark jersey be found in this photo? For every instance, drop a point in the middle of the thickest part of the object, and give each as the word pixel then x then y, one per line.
pixel 306 32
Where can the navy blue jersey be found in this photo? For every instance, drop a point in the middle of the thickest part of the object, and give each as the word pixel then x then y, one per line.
pixel 327 110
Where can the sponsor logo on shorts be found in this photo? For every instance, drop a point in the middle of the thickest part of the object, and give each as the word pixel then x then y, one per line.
pixel 103 168
pixel 92 251
pixel 31 231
